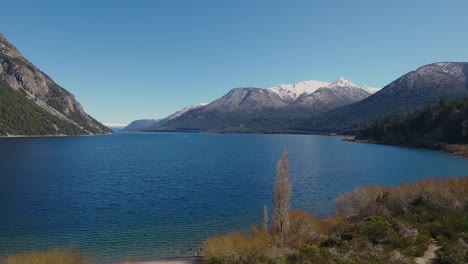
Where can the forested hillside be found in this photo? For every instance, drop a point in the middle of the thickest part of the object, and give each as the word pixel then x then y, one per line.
pixel 433 127
pixel 21 116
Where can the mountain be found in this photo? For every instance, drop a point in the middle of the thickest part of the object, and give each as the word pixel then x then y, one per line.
pixel 267 110
pixel 411 92
pixel 56 111
pixel 245 100
pixel 141 124
pixel 22 116
pixel 145 124
pixel 115 126
pixel 184 110
pixel 290 92
pixel 336 94
pixel 369 89
pixel 238 109
pixel 434 127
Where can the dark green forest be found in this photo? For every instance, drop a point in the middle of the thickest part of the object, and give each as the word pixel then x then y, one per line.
pixel 21 116
pixel 444 123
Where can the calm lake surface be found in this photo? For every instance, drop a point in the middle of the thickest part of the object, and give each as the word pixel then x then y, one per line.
pixel 150 195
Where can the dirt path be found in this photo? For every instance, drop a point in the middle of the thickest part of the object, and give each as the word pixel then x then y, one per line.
pixel 429 255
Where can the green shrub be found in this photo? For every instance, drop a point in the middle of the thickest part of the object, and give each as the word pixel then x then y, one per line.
pixel 374 228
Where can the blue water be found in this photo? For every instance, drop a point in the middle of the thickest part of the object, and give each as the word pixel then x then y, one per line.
pixel 160 194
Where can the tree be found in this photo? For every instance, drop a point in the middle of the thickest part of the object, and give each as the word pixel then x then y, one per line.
pixel 265 218
pixel 282 199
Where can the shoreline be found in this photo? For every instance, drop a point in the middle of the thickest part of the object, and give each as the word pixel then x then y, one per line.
pixel 51 136
pixel 170 260
pixel 460 150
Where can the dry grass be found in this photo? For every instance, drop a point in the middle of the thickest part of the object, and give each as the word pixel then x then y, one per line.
pixel 374 224
pixel 236 247
pixel 52 256
pixel 450 193
pixel 458 149
pixel 306 228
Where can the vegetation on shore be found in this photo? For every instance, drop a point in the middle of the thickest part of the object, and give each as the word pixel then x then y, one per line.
pixel 374 224
pixel 55 256
pixel 443 126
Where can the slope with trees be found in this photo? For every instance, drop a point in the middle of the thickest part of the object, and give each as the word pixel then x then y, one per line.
pixel 411 92
pixel 21 116
pixel 443 126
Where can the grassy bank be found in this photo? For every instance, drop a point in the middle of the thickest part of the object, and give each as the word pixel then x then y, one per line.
pixel 374 224
pixel 52 256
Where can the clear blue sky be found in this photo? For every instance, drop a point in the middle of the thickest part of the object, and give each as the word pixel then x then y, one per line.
pixel 127 60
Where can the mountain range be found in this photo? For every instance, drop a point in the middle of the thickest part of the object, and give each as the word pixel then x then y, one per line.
pixel 260 110
pixel 413 91
pixel 143 124
pixel 321 107
pixel 33 104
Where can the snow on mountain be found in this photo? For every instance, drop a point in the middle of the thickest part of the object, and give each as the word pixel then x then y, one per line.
pixel 371 90
pixel 185 110
pixel 115 125
pixel 343 82
pixel 291 92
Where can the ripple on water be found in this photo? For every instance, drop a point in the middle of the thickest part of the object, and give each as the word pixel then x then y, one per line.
pixel 160 194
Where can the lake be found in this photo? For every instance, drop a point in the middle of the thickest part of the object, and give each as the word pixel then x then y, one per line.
pixel 148 195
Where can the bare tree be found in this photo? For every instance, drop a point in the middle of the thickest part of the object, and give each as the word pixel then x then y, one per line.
pixel 266 220
pixel 282 200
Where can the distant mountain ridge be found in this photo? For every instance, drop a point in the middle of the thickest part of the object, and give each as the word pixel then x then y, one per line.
pixel 337 107
pixel 141 124
pixel 258 110
pixel 21 76
pixel 413 91
pixel 290 92
pixel 144 124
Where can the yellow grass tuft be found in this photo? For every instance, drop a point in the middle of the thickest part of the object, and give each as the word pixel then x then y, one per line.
pixel 236 247
pixel 306 228
pixel 51 256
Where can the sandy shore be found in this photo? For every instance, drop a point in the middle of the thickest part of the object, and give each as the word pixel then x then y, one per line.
pixel 188 260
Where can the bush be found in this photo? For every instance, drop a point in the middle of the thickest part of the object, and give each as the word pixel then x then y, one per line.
pixel 311 254
pixel 236 247
pixel 454 253
pixel 306 228
pixel 374 228
pixel 361 202
pixel 55 256
pixel 441 194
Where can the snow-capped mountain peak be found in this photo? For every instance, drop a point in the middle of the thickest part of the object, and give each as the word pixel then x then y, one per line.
pixel 185 110
pixel 342 82
pixel 293 91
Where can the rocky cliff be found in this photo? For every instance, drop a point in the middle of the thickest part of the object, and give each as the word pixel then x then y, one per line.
pixel 20 75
